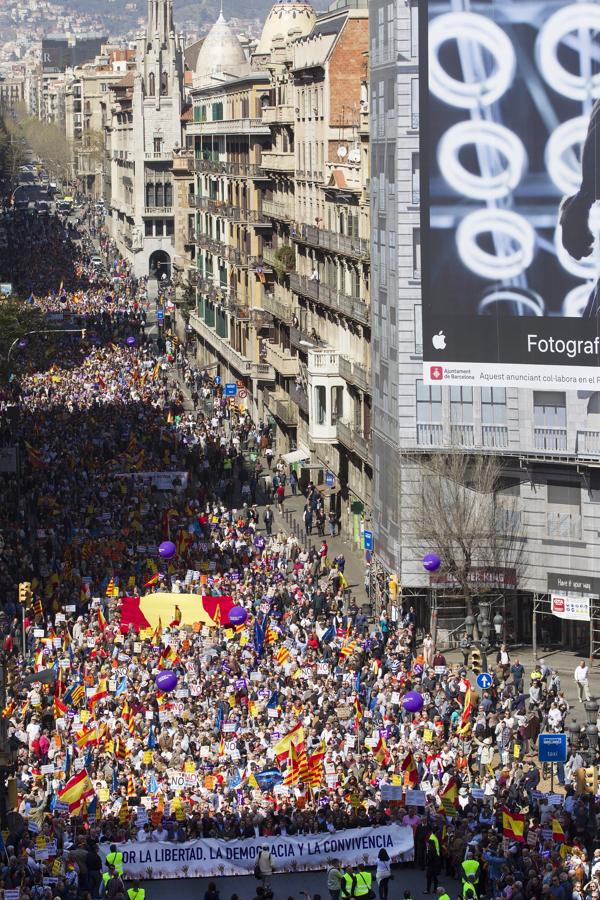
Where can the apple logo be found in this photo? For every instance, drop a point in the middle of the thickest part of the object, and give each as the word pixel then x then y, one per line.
pixel 439 341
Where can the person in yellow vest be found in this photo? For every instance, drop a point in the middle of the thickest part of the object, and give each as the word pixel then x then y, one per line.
pixel 363 881
pixel 536 674
pixel 135 892
pixel 114 858
pixel 470 869
pixel 348 883
pixel 443 894
pixel 469 890
pixel 433 862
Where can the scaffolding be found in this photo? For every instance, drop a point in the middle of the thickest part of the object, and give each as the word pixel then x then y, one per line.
pixel 542 608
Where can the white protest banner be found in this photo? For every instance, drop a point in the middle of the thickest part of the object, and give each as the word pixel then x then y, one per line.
pixel 415 798
pixel 209 857
pixel 162 481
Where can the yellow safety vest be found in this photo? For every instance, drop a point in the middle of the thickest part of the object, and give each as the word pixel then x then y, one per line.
pixel 470 867
pixel 347 885
pixel 444 897
pixel 136 894
pixel 469 891
pixel 116 859
pixel 434 840
pixel 362 883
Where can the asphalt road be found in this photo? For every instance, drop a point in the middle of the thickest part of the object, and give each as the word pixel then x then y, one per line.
pixel 285 887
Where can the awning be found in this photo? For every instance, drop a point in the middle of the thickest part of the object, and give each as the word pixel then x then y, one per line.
pixel 295 456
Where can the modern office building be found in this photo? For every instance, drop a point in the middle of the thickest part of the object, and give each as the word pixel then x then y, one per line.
pixel 548 441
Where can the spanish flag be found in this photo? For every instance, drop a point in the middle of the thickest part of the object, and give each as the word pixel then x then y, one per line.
pixel 86 736
pixel 294 737
pixel 152 581
pixel 513 825
pixel 467 705
pixel 102 623
pixel 411 774
pixel 380 751
pixel 358 711
pixel 449 798
pixel 76 791
pixel 557 832
pixel 59 708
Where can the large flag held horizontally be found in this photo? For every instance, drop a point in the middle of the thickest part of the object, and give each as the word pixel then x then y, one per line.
pixel 513 825
pixel 76 791
pixel 294 737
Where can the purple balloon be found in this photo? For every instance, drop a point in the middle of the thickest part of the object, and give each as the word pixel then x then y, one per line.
pixel 431 562
pixel 130 341
pixel 412 702
pixel 237 615
pixel 167 550
pixel 166 681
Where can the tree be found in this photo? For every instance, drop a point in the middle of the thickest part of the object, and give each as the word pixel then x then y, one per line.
pixel 466 511
pixel 17 318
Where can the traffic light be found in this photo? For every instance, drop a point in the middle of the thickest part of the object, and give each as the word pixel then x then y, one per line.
pixel 24 592
pixel 586 780
pixel 476 661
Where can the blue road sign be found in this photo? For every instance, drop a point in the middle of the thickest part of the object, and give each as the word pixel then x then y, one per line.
pixel 552 748
pixel 160 316
pixel 217 380
pixel 368 539
pixel 484 681
pixel 329 479
pixel 230 390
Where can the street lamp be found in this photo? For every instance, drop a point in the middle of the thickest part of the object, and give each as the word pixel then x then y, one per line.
pixel 470 626
pixel 483 621
pixel 574 735
pixel 591 707
pixel 498 623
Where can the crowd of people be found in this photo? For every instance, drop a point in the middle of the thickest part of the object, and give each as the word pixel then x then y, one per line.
pixel 116 461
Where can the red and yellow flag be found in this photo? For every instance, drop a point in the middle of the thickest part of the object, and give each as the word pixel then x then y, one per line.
pixel 513 825
pixel 557 832
pixel 411 774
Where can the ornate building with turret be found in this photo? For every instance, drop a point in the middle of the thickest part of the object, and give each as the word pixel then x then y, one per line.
pixel 142 131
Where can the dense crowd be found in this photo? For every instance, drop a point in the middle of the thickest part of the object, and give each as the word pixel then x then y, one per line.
pixel 290 723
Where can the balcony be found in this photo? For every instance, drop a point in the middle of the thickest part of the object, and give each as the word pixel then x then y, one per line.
pixel 283 115
pixel 236 360
pixel 163 155
pixel 158 210
pixel 430 434
pixel 303 340
pixel 298 394
pixel 358 248
pixel 226 167
pixel 588 443
pixel 262 372
pixel 494 436
pixel 356 374
pixel 550 440
pixel 352 307
pixel 282 408
pixel 183 163
pixel 260 263
pixel 353 437
pixel 242 127
pixel 324 362
pixel 278 309
pixel 282 361
pixel 462 435
pixel 273 161
pixel 218 248
pixel 280 211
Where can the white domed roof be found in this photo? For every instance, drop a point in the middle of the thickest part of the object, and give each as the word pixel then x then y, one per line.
pixel 290 18
pixel 221 56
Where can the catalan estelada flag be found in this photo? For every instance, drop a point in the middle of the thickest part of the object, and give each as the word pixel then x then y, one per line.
pixel 557 832
pixel 513 825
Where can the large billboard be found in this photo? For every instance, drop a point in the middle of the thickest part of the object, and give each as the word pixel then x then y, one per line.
pixel 510 177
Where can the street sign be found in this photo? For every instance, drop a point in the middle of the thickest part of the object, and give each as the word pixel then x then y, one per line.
pixel 217 380
pixel 552 748
pixel 160 316
pixel 368 539
pixel 6 288
pixel 230 390
pixel 243 393
pixel 329 479
pixel 484 681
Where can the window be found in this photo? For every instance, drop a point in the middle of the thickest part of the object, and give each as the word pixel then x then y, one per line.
pixel 416 185
pixel 414 103
pixel 148 227
pixel 157 144
pixel 151 84
pixel 217 112
pixel 414 30
pixel 416 236
pixel 159 192
pixel 563 517
pixel 169 227
pixel 158 226
pixel 337 403
pixel 168 194
pixel 418 320
pixel 164 84
pixel 493 406
pixel 429 414
pixel 320 404
pixel 461 405
pixel 149 194
pixel 549 409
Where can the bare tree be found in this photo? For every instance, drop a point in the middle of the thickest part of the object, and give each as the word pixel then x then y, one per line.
pixel 467 512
